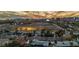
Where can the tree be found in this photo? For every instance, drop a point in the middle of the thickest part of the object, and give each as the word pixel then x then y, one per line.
pixel 46 33
pixel 71 44
pixel 59 33
pixel 43 32
pixel 71 32
pixel 13 44
pixel 34 32
pixel 55 41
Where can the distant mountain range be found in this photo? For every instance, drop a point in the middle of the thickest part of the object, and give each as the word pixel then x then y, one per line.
pixel 39 14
